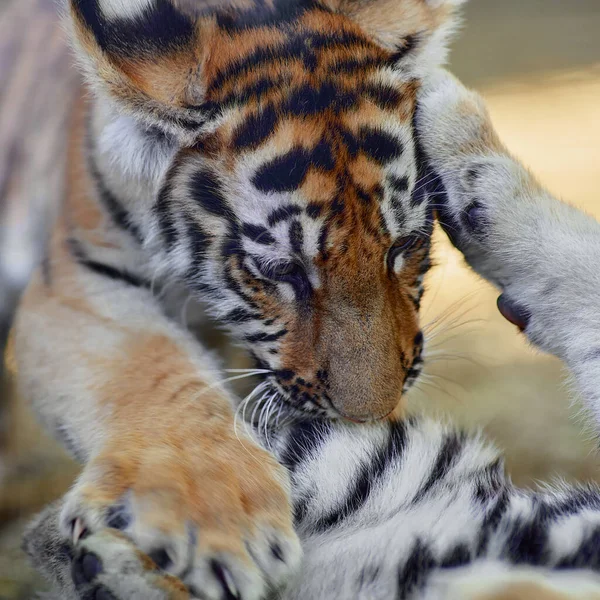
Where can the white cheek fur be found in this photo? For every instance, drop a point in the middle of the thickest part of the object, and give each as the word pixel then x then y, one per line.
pixel 124 9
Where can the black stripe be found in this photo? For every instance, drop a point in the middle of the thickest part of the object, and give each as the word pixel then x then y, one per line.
pixel 314 210
pixel 258 234
pixel 240 315
pixel 283 213
pixel 399 184
pixel 162 210
pixel 161 28
pixel 458 556
pixel 309 100
pixel 255 130
pixel 577 500
pixel 490 482
pixel 492 521
pixel 413 574
pixel 527 541
pixel 354 64
pixel 265 337
pixel 102 269
pixel 408 44
pixel 296 234
pixel 255 90
pixel 447 456
pixel 199 242
pixel 323 235
pixel 369 475
pixel 303 440
pixel 262 15
pixel 379 145
pixel 287 172
pixel 351 142
pixel 321 156
pixel 117 212
pixel 206 189
pixel 587 555
pixel 384 96
pixel 289 50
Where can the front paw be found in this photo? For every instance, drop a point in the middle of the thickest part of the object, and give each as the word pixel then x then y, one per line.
pixel 540 252
pixel 214 512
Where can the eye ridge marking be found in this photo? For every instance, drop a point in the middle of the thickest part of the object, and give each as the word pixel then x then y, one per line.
pixel 258 234
pixel 283 213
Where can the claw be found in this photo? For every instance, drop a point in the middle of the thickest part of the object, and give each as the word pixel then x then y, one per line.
pixel 79 530
pixel 230 583
pixel 226 579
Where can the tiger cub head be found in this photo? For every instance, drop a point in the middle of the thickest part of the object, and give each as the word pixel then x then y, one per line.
pixel 296 200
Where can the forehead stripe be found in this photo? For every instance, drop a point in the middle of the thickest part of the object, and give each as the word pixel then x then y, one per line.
pixel 309 100
pixel 255 129
pixel 295 47
pixel 287 172
pixel 379 145
pixel 384 96
pixel 261 14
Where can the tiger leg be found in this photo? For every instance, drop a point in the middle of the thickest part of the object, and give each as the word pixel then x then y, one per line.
pixel 541 252
pixel 138 401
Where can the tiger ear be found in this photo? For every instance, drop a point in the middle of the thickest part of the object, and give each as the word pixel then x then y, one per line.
pixel 418 31
pixel 148 56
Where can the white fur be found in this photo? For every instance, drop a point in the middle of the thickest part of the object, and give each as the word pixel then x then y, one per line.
pixel 125 9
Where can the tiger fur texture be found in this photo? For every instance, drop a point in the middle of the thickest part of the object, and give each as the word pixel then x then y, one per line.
pixel 272 160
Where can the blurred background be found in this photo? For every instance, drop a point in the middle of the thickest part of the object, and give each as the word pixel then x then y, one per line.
pixel 537 63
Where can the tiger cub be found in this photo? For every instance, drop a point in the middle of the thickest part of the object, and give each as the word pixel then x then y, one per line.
pixel 258 157
pixel 412 509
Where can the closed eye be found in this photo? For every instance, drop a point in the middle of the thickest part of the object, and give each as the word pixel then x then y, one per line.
pixel 288 272
pixel 403 246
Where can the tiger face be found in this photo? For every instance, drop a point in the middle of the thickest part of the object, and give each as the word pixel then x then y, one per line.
pixel 296 203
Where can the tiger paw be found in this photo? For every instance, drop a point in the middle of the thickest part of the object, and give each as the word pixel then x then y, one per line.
pixel 107 566
pixel 215 515
pixel 539 251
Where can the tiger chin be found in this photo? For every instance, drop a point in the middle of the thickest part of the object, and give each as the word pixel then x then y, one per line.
pixel 260 159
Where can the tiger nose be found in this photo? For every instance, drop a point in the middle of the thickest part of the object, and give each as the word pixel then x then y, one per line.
pixel 366 394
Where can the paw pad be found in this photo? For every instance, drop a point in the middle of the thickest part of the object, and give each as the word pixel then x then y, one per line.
pixel 512 312
pixel 86 567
